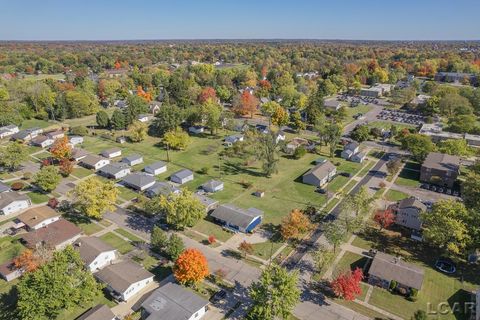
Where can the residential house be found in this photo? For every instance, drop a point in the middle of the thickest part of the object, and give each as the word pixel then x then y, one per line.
pixel 440 169
pixel 42 141
pixel 280 136
pixel 209 203
pixel 182 176
pixel 121 140
pixel 111 153
pixel 350 149
pixel 332 104
pixel 95 253
pixel 115 170
pixel 124 279
pixel 94 162
pixel 154 107
pixel 79 154
pixel 143 117
pixel 133 160
pixel 231 140
pixel 237 219
pixel 23 135
pixel 457 77
pixel 156 168
pixel 196 129
pixel 38 217
pixel 320 174
pixel 212 186
pixel 8 131
pixel 358 157
pixel 262 128
pixel 121 104
pixel 116 73
pixel 9 272
pixel 408 213
pixel 55 134
pixel 56 235
pixel 4 187
pixel 294 144
pixel 386 268
pixel 74 140
pixel 139 181
pixel 13 202
pixel 161 188
pixel 172 301
pixel 99 312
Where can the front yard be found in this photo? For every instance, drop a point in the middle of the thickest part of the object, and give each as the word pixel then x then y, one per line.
pixel 118 243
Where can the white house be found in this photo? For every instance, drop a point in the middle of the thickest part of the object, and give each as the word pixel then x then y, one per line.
pixel 212 186
pixel 358 157
pixel 79 154
pixel 13 202
pixel 156 168
pixel 55 134
pixel 8 131
pixel 350 149
pixel 42 141
pixel 38 217
pixel 74 140
pixel 196 129
pixel 111 153
pixel 95 253
pixel 143 117
pixel 139 181
pixel 182 176
pixel 124 279
pixel 114 170
pixel 280 136
pixel 230 140
pixel 133 160
pixel 94 162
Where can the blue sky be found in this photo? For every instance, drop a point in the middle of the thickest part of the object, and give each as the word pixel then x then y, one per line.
pixel 246 19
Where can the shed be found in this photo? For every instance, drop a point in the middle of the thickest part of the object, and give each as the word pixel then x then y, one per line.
pixel 182 176
pixel 156 168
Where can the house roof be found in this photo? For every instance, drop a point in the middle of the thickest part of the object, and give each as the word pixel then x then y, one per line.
pixel 138 179
pixel 182 174
pixel 212 184
pixel 411 202
pixel 236 216
pixel 331 103
pixel 110 151
pixel 99 312
pixel 8 197
pixel 321 170
pixel 172 301
pixel 206 201
pixel 92 160
pixel 7 268
pixel 156 165
pixel 442 161
pixel 351 145
pixel 132 157
pixel 390 268
pixel 53 234
pixel 21 134
pixel 40 139
pixel 3 187
pixel 90 247
pixel 55 133
pixel 35 216
pixel 114 168
pixel 120 276
pixel 79 152
pixel 161 188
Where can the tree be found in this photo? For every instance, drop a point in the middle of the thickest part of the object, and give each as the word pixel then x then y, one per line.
pixel 393 166
pixel 360 133
pixel 358 203
pixel 191 267
pixel 334 233
pixel 174 247
pixel 61 149
pixel 135 106
pixel 138 131
pixel 464 123
pixel 296 121
pixel 471 187
pixel 102 119
pixel 177 140
pixel 212 114
pixel 419 145
pixel 47 178
pixel 267 150
pixel 347 285
pixel 118 121
pixel 420 315
pixel 275 294
pixel 211 239
pixel 80 103
pixel 322 258
pixel 455 147
pixel 13 155
pixel 446 226
pixel 93 197
pixel 66 167
pixel 294 225
pixel 333 135
pixel 207 94
pixel 158 239
pixel 245 104
pixel 245 248
pixel 182 209
pixel 27 260
pixel 454 104
pixel 280 117
pixel 63 282
pixel 384 218
pixel 167 119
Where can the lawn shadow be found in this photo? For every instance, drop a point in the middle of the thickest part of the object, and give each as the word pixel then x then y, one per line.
pixel 229 253
pixel 232 168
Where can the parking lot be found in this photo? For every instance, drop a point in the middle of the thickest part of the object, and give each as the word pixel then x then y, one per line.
pixel 400 116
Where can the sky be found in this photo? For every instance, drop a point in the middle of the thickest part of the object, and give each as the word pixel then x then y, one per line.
pixel 245 19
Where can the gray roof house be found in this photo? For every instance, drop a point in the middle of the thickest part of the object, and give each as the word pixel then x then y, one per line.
pixel 133 159
pixel 408 213
pixel 182 176
pixel 440 169
pixel 156 168
pixel 350 149
pixel 161 188
pixel 207 202
pixel 320 174
pixel 237 219
pixel 13 202
pixel 94 162
pixel 139 181
pixel 124 279
pixel 115 170
pixel 386 268
pixel 111 153
pixel 212 186
pixel 172 301
pixel 78 154
pixel 9 272
pixel 4 187
pixel 99 312
pixel 95 253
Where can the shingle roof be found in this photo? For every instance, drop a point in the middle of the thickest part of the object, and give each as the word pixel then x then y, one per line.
pixel 37 215
pixel 79 152
pixel 113 168
pixel 206 201
pixel 212 184
pixel 156 165
pixel 236 216
pixel 121 275
pixel 172 301
pixel 442 161
pixel 110 151
pixel 99 312
pixel 161 188
pixel 4 187
pixel 138 179
pixel 351 146
pixel 321 170
pixel 90 247
pixel 411 202
pixel 132 157
pixel 184 173
pixel 390 268
pixel 91 160
pixel 8 197
pixel 53 234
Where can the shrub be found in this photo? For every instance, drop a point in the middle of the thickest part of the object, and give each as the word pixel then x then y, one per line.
pixel 413 296
pixel 27 175
pixel 204 170
pixel 393 285
pixel 402 291
pixel 211 239
pixel 299 152
pixel 53 203
pixel 382 184
pixel 246 184
pixel 17 186
pixel 79 131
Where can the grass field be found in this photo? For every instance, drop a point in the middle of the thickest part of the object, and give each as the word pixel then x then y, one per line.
pixel 9 248
pixel 118 243
pixel 38 197
pixel 209 228
pixel 128 235
pixel 351 112
pixel 408 178
pixel 337 183
pixel 90 228
pixel 35 123
pixel 387 125
pixel 394 195
pixel 81 172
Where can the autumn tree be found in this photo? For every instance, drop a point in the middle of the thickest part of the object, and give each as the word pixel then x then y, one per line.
pixel 393 166
pixel 245 104
pixel 138 131
pixel 176 140
pixel 384 218
pixel 27 260
pixel 47 178
pixel 295 225
pixel 61 149
pixel 66 167
pixel 207 94
pixel 93 197
pixel 191 267
pixel 347 285
pixel 246 248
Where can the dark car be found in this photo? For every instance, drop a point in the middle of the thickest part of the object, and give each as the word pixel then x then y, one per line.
pixel 321 190
pixel 345 174
pixel 219 296
pixel 445 265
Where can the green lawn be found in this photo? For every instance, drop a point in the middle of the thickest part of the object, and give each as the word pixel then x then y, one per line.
pixel 337 183
pixel 75 312
pixel 9 248
pixel 331 204
pixel 38 197
pixel 43 155
pixel 126 193
pixel 350 261
pixel 349 185
pixel 115 241
pixel 265 250
pixel 81 172
pixel 353 111
pixel 408 178
pixel 209 228
pixel 35 123
pixel 387 125
pixel 128 235
pixel 394 195
pixel 90 228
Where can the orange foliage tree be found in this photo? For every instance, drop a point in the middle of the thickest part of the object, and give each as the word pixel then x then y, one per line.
pixel 247 104
pixel 117 65
pixel 245 248
pixel 61 149
pixel 294 225
pixel 207 94
pixel 27 260
pixel 66 167
pixel 190 267
pixel 145 95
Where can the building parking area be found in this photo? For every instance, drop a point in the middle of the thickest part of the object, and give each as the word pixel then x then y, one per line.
pixel 401 116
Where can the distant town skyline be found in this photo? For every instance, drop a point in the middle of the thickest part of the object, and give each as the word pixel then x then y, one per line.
pixel 248 19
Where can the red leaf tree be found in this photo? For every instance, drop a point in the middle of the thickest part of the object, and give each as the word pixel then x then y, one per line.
pixel 347 285
pixel 207 94
pixel 61 149
pixel 384 218
pixel 247 104
pixel 190 267
pixel 212 239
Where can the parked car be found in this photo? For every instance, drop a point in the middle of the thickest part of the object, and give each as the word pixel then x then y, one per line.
pixel 346 174
pixel 219 296
pixel 321 190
